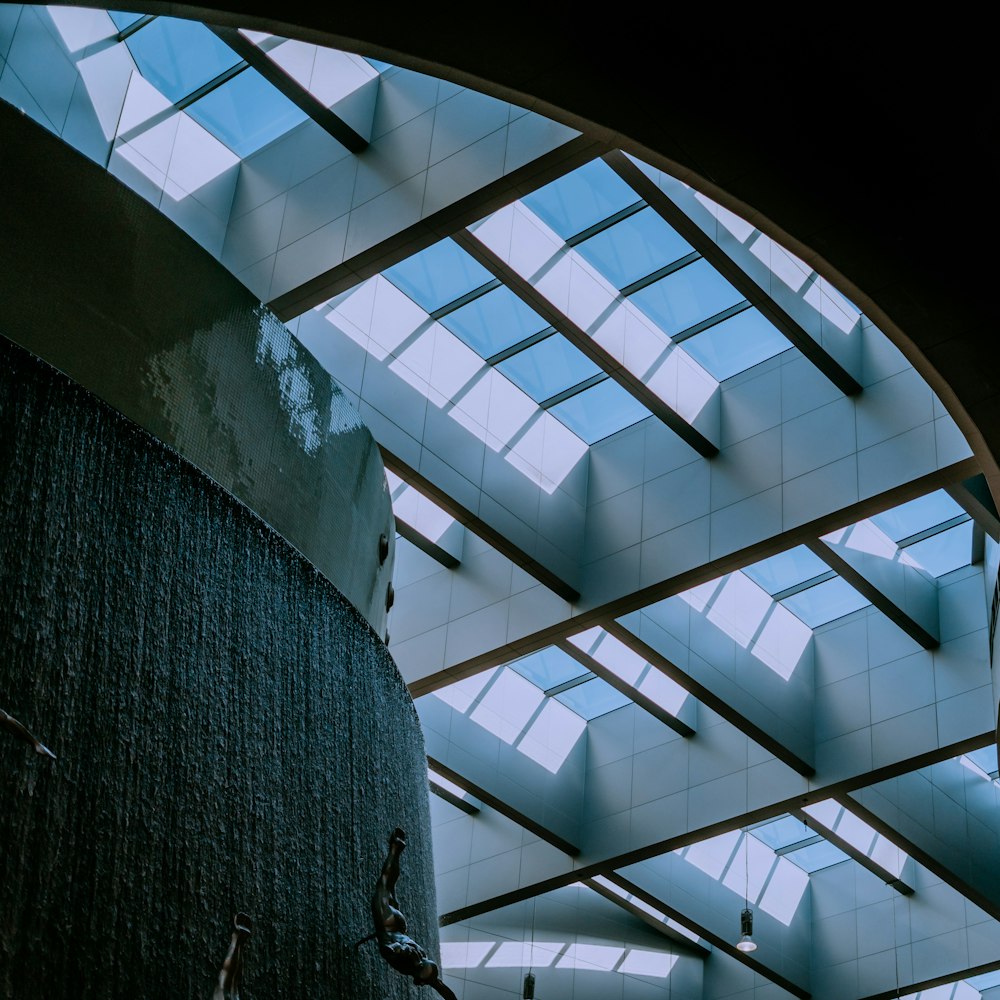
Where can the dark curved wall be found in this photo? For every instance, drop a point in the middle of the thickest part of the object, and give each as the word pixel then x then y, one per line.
pixel 231 733
pixel 100 284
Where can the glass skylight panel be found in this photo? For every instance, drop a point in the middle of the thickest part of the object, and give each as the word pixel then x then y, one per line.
pixel 246 113
pixel 825 602
pixel 985 981
pixel 578 200
pixel 494 321
pixel 548 668
pixel 177 57
pixel 548 368
pixel 633 248
pixel 783 832
pixel 593 698
pixel 985 759
pixel 122 19
pixel 686 297
pixel 917 515
pixel 946 551
pixel 599 411
pixel 817 856
pixel 786 570
pixel 736 344
pixel 438 275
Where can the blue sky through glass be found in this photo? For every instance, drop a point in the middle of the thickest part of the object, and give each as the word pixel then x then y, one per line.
pixel 548 668
pixel 593 698
pixel 736 344
pixel 246 113
pixel 122 19
pixel 787 569
pixel 599 411
pixel 438 275
pixel 577 201
pixel 946 551
pixel 633 248
pixel 177 56
pixel 686 297
pixel 494 322
pixel 917 515
pixel 825 602
pixel 548 367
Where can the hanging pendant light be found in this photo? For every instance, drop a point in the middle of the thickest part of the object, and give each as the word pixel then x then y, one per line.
pixel 746 942
pixel 529 987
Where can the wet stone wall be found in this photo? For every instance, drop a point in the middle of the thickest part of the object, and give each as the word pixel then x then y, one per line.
pixel 230 733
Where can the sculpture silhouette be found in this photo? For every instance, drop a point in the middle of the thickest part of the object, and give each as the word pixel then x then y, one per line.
pixel 14 727
pixel 232 967
pixel 399 950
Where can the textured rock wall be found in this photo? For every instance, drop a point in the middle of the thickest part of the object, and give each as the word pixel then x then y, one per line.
pixel 231 734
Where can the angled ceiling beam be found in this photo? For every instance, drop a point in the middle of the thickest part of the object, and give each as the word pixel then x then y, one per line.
pixel 637 599
pixel 437 226
pixel 973 495
pixel 732 272
pixel 422 542
pixel 479 527
pixel 710 699
pixel 675 937
pixel 716 940
pixel 452 799
pixel 633 693
pixel 856 569
pixel 327 120
pixel 631 382
pixel 921 855
pixel 505 809
pixel 830 835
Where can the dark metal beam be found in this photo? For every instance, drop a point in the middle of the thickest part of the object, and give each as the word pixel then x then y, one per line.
pixel 478 527
pixel 528 294
pixel 447 221
pixel 710 699
pixel 732 272
pixel 716 940
pixel 452 799
pixel 910 989
pixel 505 809
pixel 684 943
pixel 425 545
pixel 292 89
pixel 878 597
pixel 828 834
pixel 610 677
pixel 973 495
pixel 637 599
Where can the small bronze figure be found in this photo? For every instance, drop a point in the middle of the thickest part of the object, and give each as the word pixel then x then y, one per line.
pixel 14 727
pixel 394 944
pixel 232 968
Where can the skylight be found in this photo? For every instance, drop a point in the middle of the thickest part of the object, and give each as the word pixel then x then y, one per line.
pixel 455 290
pixel 801 582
